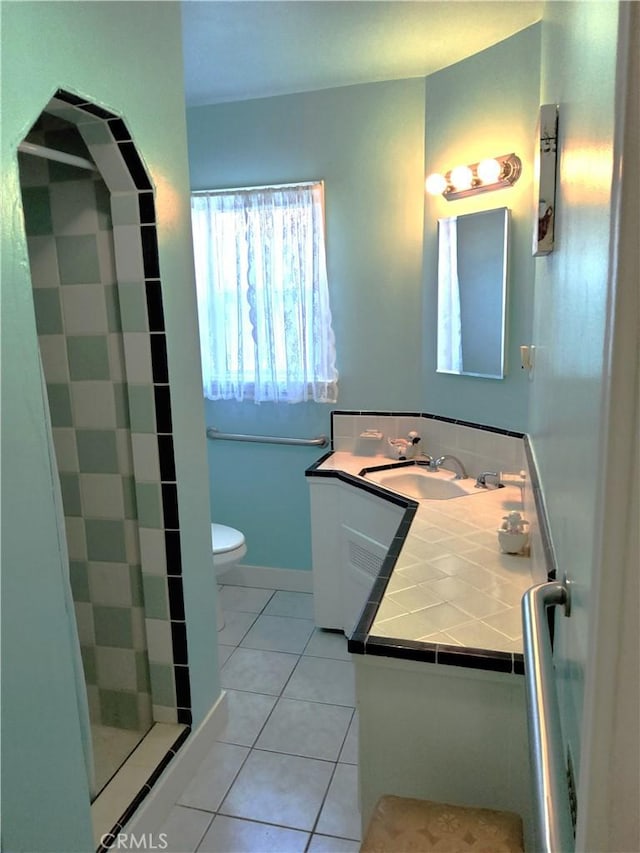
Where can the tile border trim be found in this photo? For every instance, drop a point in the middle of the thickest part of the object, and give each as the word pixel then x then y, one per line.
pixel 144 791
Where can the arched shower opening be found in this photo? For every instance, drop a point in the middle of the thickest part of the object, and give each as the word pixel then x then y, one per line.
pixel 91 230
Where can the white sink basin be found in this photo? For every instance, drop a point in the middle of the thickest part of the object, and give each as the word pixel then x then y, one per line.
pixel 421 484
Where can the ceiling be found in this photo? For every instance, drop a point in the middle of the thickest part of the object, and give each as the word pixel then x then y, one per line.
pixel 240 49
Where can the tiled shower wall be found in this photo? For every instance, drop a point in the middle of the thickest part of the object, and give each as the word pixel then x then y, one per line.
pixel 70 236
pixel 106 375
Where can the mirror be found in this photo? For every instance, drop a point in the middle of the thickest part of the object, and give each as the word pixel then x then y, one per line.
pixel 472 293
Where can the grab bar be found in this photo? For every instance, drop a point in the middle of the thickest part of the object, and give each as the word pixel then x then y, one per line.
pixel 552 810
pixel 321 441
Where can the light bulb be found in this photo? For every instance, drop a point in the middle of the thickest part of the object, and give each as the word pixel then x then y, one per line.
pixel 462 177
pixel 489 171
pixel 436 184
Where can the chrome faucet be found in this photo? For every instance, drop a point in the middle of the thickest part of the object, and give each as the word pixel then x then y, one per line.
pixel 422 458
pixel 461 474
pixel 481 480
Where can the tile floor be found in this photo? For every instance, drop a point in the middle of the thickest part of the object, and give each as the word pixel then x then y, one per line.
pixel 283 775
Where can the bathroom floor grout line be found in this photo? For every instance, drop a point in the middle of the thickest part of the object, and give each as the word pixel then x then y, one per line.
pixel 324 800
pixel 220 810
pixel 292 698
pixel 270 714
pixel 207 828
pixel 308 832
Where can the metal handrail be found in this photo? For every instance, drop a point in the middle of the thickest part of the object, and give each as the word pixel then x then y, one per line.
pixel 320 441
pixel 552 809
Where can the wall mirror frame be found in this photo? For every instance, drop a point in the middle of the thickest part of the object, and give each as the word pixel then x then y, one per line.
pixel 472 293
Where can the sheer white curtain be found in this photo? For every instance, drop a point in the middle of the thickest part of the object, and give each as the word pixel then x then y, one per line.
pixel 263 297
pixel 449 321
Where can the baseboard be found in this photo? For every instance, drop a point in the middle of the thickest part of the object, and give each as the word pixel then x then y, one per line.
pixel 164 794
pixel 266 577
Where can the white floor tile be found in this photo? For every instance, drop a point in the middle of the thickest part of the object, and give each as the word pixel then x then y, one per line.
pixel 322 680
pixel 330 844
pixel 327 644
pixel 233 835
pixel 310 729
pixel 298 604
pixel 269 798
pixel 214 777
pixel 224 653
pixel 247 714
pixel 278 634
pixel 236 626
pixel 349 752
pixel 244 598
pixel 340 813
pixel 258 671
pixel 283 789
pixel 183 830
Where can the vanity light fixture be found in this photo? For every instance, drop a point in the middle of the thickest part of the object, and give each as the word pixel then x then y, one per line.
pixel 485 176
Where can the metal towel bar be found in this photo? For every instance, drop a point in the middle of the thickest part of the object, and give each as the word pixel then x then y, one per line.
pixel 552 811
pixel 321 441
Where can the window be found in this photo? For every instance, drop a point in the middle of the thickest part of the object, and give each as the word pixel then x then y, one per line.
pixel 263 298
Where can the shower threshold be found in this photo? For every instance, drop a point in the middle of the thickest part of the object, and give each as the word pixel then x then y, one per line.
pixel 125 786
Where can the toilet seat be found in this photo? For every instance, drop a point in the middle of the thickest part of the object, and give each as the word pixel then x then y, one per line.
pixel 225 539
pixel 227 549
pixel 227 546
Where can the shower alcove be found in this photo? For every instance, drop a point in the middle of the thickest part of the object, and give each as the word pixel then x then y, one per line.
pixel 89 216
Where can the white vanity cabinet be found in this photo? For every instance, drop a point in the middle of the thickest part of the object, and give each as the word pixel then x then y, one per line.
pixel 351 532
pixel 444 733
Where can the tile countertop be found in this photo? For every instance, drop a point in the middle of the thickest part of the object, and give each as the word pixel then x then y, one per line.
pixel 451 584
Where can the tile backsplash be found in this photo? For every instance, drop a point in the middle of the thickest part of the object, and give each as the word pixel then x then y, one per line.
pixel 479 448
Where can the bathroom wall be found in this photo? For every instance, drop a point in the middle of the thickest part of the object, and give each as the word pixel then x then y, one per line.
pixel 484 106
pixel 367 144
pixel 567 415
pixel 103 51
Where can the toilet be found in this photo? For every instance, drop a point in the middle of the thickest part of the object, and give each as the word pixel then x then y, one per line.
pixel 228 548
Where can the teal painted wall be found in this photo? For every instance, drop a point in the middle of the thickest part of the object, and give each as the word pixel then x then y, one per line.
pixel 367 144
pixel 104 52
pixel 579 48
pixel 484 106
